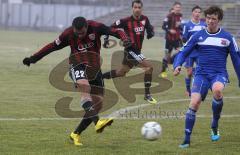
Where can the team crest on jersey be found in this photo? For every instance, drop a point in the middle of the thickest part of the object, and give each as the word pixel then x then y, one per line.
pixel 91 36
pixel 143 22
pixel 224 42
pixel 58 41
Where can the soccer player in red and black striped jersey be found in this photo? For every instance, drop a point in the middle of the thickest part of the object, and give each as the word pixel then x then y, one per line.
pixel 83 37
pixel 172 27
pixel 135 27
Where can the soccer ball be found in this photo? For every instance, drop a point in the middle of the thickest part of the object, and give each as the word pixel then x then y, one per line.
pixel 151 130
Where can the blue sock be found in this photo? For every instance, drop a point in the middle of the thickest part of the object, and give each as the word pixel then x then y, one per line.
pixel 188 84
pixel 189 123
pixel 217 109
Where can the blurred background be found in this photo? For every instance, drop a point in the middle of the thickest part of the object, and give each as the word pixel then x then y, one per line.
pixel 55 15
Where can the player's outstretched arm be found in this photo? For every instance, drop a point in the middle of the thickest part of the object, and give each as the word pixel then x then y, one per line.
pixel 40 54
pixel 58 44
pixel 149 29
pixel 118 33
pixel 235 56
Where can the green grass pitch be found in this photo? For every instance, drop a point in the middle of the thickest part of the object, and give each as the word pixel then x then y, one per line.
pixel 29 123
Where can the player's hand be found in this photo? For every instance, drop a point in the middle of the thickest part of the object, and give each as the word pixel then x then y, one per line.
pixel 149 36
pixel 106 43
pixel 172 31
pixel 127 43
pixel 177 71
pixel 27 61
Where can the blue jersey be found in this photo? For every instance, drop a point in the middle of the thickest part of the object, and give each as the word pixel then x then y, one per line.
pixel 213 50
pixel 191 28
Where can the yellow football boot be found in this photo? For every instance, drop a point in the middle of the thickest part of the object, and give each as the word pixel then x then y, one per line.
pixel 102 123
pixel 76 139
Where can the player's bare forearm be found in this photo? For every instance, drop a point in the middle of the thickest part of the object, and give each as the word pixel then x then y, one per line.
pixel 177 71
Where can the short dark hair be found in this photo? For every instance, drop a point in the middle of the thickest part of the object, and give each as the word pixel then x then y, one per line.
pixel 177 3
pixel 137 1
pixel 79 23
pixel 216 10
pixel 196 7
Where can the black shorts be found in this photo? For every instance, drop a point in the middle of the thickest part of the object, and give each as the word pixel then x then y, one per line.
pixel 172 44
pixel 132 58
pixel 94 77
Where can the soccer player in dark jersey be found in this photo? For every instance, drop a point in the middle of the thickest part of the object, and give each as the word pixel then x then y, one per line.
pixel 83 37
pixel 135 26
pixel 172 26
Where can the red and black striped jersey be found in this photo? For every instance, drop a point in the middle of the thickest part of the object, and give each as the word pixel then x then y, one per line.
pixel 172 21
pixel 135 29
pixel 83 51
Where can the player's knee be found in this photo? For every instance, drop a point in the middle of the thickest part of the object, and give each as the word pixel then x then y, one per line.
pixel 217 93
pixel 189 72
pixel 195 101
pixel 217 90
pixel 149 70
pixel 194 105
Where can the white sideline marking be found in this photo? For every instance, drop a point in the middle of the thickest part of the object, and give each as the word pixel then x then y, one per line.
pixel 118 113
pixel 124 118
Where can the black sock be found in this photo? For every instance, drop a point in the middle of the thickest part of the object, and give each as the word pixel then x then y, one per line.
pixel 95 119
pixel 147 83
pixel 91 115
pixel 91 111
pixel 83 125
pixel 164 65
pixel 109 75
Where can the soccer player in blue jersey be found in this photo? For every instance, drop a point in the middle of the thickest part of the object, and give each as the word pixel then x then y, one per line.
pixel 190 28
pixel 213 45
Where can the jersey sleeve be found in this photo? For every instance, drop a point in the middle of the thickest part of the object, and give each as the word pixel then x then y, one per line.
pixel 119 24
pixel 149 29
pixel 116 32
pixel 235 56
pixel 59 43
pixel 185 51
pixel 165 24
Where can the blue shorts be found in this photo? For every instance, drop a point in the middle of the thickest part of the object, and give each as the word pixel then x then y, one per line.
pixel 202 83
